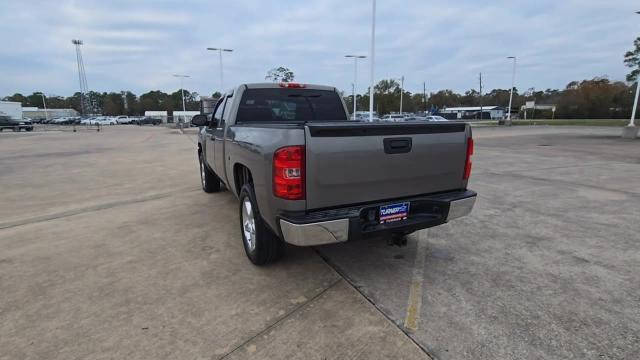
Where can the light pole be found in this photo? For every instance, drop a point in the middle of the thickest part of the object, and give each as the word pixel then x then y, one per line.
pixel 401 91
pixel 372 51
pixel 46 113
pixel 355 78
pixel 182 77
pixel 513 79
pixel 632 122
pixel 220 50
pixel 631 131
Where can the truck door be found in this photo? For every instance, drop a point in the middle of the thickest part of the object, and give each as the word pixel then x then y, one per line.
pixel 218 141
pixel 210 135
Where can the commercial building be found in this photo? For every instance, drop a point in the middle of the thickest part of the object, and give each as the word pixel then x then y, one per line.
pixel 162 115
pixel 38 114
pixel 473 112
pixel 207 104
pixel 11 109
pixel 184 116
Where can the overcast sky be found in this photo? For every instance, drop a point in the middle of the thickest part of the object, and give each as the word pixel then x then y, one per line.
pixel 137 45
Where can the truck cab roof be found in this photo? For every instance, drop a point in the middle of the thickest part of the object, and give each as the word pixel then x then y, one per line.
pixel 291 85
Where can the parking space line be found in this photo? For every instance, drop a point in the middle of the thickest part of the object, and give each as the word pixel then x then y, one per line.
pixel 415 292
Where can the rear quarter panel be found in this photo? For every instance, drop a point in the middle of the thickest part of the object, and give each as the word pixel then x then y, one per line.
pixel 253 145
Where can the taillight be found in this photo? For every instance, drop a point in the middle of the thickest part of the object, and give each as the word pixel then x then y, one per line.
pixel 288 173
pixel 292 85
pixel 467 163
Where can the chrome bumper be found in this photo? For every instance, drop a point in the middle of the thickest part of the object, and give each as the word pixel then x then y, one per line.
pixel 320 233
pixel 460 208
pixel 336 231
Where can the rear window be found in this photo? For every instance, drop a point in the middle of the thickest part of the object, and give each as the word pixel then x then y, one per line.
pixel 290 105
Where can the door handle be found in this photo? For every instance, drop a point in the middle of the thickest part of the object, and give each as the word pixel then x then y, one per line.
pixel 397 145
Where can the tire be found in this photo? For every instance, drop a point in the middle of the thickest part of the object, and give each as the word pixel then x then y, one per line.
pixel 29 129
pixel 16 129
pixel 209 181
pixel 261 245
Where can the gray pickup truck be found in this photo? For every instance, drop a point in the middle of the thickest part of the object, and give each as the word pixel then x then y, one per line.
pixel 307 175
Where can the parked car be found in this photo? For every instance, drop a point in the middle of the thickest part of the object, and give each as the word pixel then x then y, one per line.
pixel 303 172
pixel 105 120
pixel 148 121
pixel 98 120
pixel 89 121
pixel 394 117
pixel 435 118
pixel 123 119
pixel 16 125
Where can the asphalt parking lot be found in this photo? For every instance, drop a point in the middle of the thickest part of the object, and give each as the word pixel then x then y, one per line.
pixel 109 249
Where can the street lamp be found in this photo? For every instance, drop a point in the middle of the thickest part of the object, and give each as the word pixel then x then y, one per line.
pixel 46 113
pixel 401 91
pixel 355 78
pixel 220 50
pixel 182 77
pixel 513 79
pixel 631 131
pixel 372 51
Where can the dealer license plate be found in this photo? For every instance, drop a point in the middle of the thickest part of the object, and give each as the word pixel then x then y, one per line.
pixel 393 212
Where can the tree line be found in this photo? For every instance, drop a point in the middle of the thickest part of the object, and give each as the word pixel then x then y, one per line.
pixel 115 103
pixel 587 99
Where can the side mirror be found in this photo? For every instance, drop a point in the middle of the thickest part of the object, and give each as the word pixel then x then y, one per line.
pixel 199 120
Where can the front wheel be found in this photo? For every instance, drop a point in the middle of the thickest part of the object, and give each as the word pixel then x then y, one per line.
pixel 209 180
pixel 261 245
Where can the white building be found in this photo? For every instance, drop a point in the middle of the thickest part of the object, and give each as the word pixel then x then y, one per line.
pixel 162 115
pixel 11 109
pixel 184 116
pixel 468 112
pixel 37 113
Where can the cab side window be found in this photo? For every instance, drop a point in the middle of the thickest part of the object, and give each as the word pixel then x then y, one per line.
pixel 217 115
pixel 227 110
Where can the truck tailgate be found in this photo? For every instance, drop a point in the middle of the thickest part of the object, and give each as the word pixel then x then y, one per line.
pixel 350 163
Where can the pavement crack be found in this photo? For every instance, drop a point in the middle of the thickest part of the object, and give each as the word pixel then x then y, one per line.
pixel 281 319
pixel 84 210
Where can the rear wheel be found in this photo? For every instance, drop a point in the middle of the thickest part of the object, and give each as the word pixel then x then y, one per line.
pixel 261 245
pixel 209 180
pixel 16 129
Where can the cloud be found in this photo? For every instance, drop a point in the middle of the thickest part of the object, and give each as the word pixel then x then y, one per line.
pixel 138 45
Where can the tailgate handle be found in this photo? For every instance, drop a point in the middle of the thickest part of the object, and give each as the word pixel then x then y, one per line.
pixel 397 145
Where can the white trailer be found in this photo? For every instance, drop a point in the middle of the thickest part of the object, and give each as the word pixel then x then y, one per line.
pixel 11 109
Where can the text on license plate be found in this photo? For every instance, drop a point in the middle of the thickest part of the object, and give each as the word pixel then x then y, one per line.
pixel 394 212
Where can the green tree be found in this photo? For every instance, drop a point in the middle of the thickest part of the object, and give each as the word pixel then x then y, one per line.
pixel 280 74
pixel 113 104
pixel 17 97
pixel 632 60
pixel 593 99
pixel 153 101
pixel 191 100
pixel 57 102
pixel 445 98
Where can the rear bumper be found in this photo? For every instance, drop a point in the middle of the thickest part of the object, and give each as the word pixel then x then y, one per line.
pixel 361 221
